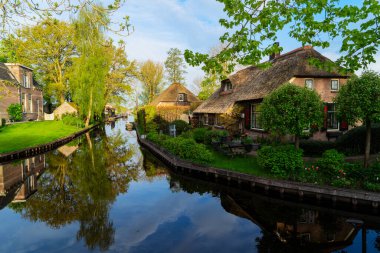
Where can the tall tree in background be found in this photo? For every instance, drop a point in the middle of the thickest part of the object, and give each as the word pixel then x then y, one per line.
pixel 359 101
pixel 254 25
pixel 14 13
pixel 175 66
pixel 120 76
pixel 150 75
pixel 87 80
pixel 48 48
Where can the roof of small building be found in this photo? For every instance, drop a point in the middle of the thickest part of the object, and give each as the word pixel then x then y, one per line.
pixel 255 82
pixel 171 94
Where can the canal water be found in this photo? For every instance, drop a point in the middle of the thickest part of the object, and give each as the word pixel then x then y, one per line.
pixel 102 193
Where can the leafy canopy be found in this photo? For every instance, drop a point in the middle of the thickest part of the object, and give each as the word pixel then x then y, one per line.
pixel 150 75
pixel 290 110
pixel 175 66
pixel 359 99
pixel 253 26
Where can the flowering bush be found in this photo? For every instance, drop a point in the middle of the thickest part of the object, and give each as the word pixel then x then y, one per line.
pixel 311 175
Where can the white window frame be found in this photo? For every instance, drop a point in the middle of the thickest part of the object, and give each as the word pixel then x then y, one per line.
pixel 227 86
pixel 312 83
pixel 181 97
pixel 30 98
pixel 254 114
pixel 327 119
pixel 331 87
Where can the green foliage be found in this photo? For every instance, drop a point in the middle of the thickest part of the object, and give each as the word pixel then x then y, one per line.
pixel 181 126
pixel 72 120
pixel 15 112
pixel 311 174
pixel 281 161
pixel 359 99
pixel 247 140
pixel 175 66
pixel 214 136
pixel 316 148
pixel 150 74
pixel 253 26
pixel 157 138
pixel 290 110
pixel 90 69
pixel 199 134
pixel 332 163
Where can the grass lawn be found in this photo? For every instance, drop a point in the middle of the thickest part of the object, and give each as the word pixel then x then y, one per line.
pixel 244 164
pixel 29 134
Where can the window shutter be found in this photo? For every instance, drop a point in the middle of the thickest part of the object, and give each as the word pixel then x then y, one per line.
pixel 247 117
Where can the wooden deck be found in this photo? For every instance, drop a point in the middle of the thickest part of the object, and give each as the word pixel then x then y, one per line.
pixel 283 188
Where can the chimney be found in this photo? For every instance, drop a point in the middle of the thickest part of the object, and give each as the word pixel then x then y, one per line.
pixel 275 55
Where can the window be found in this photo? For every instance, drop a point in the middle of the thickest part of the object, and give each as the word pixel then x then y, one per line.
pixel 23 102
pixel 182 97
pixel 309 83
pixel 227 86
pixel 30 103
pixel 25 80
pixel 254 116
pixel 332 119
pixel 205 119
pixel 334 84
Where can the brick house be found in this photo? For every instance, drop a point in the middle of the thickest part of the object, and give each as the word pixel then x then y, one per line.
pixel 247 88
pixel 20 88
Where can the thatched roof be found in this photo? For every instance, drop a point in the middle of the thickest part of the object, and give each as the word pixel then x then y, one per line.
pixel 171 95
pixel 256 82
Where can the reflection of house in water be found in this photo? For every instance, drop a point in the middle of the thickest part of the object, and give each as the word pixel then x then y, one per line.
pixel 18 180
pixel 293 227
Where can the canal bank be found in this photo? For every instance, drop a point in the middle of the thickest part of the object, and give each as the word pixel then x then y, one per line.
pixel 281 188
pixel 43 148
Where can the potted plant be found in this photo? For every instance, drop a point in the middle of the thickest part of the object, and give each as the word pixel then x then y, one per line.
pixel 248 143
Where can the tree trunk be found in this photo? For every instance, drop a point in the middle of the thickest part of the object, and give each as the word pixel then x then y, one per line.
pixel 89 110
pixel 297 141
pixel 367 143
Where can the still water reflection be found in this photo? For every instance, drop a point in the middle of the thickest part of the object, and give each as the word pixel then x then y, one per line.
pixel 101 193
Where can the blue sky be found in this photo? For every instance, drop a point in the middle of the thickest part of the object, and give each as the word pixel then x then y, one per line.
pixel 185 24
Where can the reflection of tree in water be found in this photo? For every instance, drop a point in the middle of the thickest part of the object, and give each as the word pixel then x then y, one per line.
pixel 83 186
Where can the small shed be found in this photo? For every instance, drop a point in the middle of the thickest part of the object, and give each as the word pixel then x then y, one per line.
pixel 65 108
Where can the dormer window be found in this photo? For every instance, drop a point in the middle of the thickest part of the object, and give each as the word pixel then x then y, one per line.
pixel 182 97
pixel 227 85
pixel 309 83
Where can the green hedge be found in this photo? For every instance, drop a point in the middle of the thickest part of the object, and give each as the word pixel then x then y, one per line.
pixel 281 161
pixel 316 148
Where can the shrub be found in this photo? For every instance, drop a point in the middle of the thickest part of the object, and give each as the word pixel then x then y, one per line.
pixel 72 120
pixel 15 112
pixel 161 123
pixel 371 186
pixel 282 161
pixel 311 174
pixel 180 126
pixel 215 136
pixel 188 149
pixel 149 112
pixel 199 134
pixel 153 136
pixel 332 163
pixel 315 148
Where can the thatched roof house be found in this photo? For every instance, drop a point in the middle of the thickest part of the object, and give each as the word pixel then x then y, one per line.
pixel 249 86
pixel 175 95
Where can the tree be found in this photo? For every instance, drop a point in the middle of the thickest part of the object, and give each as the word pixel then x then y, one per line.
pixel 14 13
pixel 87 80
pixel 175 66
pixel 119 78
pixel 359 101
pixel 150 75
pixel 254 25
pixel 48 48
pixel 290 110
